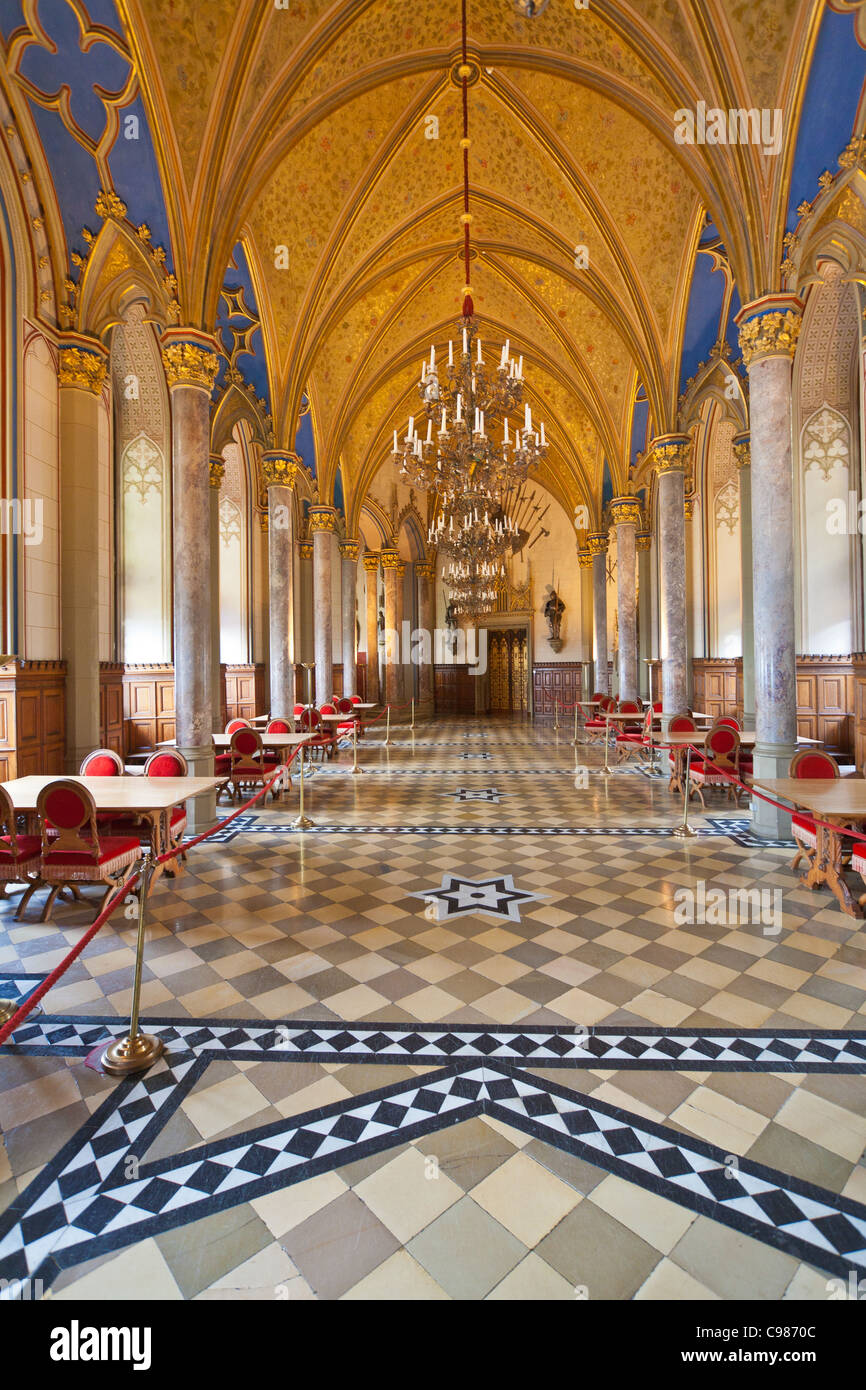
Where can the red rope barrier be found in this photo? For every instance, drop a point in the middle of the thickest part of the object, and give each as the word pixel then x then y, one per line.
pixel 59 970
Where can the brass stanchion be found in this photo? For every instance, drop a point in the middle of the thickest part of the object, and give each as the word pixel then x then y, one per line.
pixel 574 740
pixel 684 831
pixel 10 1007
pixel 355 768
pixel 412 725
pixel 136 1051
pixel 556 715
pixel 387 743
pixel 302 822
pixel 606 770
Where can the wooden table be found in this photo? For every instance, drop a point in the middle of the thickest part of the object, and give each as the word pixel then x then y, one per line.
pixel 636 717
pixel 840 801
pixel 151 798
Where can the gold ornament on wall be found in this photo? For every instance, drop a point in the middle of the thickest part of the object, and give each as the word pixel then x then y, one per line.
pixel 82 368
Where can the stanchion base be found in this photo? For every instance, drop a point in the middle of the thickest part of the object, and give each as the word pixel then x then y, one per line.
pixel 10 1007
pixel 356 771
pixel 302 823
pixel 684 832
pixel 132 1054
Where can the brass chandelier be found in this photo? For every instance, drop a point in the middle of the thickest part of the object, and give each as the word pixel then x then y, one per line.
pixel 464 445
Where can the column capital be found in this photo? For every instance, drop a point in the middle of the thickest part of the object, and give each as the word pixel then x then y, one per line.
pixel 350 549
pixel 743 449
pixel 769 327
pixel 371 561
pixel 189 358
pixel 689 507
pixel 83 363
pixel 401 568
pixel 306 549
pixel 217 468
pixel 625 511
pixel 390 559
pixel 644 540
pixel 584 558
pixel 597 543
pixel 670 453
pixel 279 469
pixel 322 518
pixel 426 570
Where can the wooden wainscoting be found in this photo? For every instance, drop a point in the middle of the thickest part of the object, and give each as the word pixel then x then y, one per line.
pixel 111 706
pixel 454 689
pixel 717 685
pixel 148 707
pixel 244 691
pixel 32 718
pixel 555 681
pixel 825 701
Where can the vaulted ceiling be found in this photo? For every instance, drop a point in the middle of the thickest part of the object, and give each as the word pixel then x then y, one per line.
pixel 332 130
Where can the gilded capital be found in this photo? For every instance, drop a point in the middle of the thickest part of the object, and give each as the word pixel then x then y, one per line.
pixel 322 519
pixel 689 507
pixel 306 549
pixel 769 327
pixel 83 365
pixel 217 470
pixel 426 570
pixel 671 453
pixel 644 540
pixel 584 559
pixel 625 511
pixel 371 562
pixel 597 543
pixel 743 450
pixel 401 568
pixel 350 549
pixel 280 470
pixel 390 560
pixel 189 359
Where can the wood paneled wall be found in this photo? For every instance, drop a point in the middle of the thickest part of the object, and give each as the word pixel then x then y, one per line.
pixel 825 700
pixel 32 718
pixel 555 681
pixel 245 692
pixel 148 707
pixel 111 733
pixel 454 689
pixel 717 685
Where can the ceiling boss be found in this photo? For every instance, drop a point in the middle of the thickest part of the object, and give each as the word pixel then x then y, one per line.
pixel 472 453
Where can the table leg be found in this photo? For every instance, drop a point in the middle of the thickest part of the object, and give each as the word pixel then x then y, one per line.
pixel 827 868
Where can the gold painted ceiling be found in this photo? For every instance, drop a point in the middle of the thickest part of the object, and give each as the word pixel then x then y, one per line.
pixel 306 127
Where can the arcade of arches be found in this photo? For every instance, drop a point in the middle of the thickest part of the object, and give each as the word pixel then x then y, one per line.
pixel 229 235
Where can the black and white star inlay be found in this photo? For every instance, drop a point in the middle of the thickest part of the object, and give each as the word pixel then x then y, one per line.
pixel 464 897
pixel 483 757
pixel 492 795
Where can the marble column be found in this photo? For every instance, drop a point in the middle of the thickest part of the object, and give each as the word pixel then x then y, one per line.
pixel 323 526
pixel 584 560
pixel 305 604
pixel 217 473
pixel 742 454
pixel 597 543
pixel 371 567
pixel 426 574
pixel 643 542
pixel 401 653
pixel 82 373
pixel 279 471
pixel 191 364
pixel 691 594
pixel 393 609
pixel 670 458
pixel 625 514
pixel 769 328
pixel 349 580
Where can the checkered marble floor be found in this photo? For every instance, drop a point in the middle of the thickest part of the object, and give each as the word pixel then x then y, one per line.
pixel 722 1047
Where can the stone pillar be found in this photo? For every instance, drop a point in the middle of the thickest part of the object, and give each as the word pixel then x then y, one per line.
pixel 742 454
pixel 584 560
pixel 393 609
pixel 371 565
pixel 190 367
pixel 597 545
pixel 691 595
pixel 670 457
pixel 426 574
pixel 323 525
pixel 279 471
pixel 625 514
pixel 769 328
pixel 217 473
pixel 305 559
pixel 349 578
pixel 402 655
pixel 82 372
pixel 643 542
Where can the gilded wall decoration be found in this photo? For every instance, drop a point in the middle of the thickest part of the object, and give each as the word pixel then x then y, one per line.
pixel 142 469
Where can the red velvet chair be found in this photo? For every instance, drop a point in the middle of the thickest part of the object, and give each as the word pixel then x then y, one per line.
pixel 678 724
pixel 19 854
pixel 808 763
pixel 170 763
pixel 634 739
pixel 235 724
pixel 73 851
pixel 345 706
pixel 328 730
pixel 594 728
pixel 718 765
pixel 102 762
